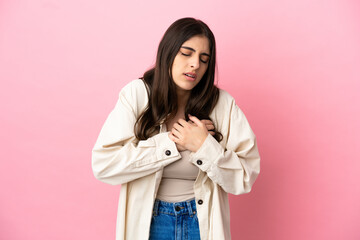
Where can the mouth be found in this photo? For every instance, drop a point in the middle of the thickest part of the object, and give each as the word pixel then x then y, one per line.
pixel 190 76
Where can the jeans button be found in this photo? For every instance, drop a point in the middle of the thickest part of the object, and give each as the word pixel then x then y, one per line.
pixel 177 208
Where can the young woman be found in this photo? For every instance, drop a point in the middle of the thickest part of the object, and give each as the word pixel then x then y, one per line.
pixel 177 144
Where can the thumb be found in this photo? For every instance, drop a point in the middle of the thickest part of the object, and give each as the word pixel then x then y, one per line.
pixel 195 120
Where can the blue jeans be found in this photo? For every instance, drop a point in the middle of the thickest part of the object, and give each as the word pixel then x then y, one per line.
pixel 174 221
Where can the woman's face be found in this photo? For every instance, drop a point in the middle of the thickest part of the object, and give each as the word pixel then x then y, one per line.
pixel 191 63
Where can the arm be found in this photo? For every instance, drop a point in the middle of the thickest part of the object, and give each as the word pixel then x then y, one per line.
pixel 236 166
pixel 117 157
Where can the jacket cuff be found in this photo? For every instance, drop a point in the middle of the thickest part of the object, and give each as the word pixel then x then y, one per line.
pixel 165 147
pixel 205 157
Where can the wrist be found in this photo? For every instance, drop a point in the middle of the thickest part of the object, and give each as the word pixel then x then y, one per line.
pixel 200 143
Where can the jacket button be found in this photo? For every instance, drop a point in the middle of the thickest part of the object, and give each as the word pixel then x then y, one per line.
pixel 199 162
pixel 200 202
pixel 167 152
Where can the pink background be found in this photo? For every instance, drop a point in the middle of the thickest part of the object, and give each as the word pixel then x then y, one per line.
pixel 293 67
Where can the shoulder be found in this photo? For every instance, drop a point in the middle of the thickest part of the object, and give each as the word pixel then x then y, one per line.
pixel 134 87
pixel 226 104
pixel 225 99
pixel 135 94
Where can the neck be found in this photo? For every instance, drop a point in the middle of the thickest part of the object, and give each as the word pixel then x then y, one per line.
pixel 183 97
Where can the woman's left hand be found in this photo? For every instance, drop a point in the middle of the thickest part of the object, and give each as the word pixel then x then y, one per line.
pixel 189 135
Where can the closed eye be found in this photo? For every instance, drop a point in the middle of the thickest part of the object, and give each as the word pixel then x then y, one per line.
pixel 204 61
pixel 202 56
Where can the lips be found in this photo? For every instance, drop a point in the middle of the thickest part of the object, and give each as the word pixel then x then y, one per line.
pixel 190 76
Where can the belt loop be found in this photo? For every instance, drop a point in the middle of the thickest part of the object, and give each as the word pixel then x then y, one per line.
pixel 156 207
pixel 191 212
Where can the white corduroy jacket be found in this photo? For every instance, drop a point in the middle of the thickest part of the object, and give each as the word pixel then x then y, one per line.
pixel 230 166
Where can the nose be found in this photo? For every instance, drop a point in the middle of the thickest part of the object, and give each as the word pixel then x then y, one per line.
pixel 195 62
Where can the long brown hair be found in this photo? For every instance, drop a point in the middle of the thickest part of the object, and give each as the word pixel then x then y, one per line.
pixel 162 104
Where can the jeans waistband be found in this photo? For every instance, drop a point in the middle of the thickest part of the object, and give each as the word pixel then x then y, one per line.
pixel 177 208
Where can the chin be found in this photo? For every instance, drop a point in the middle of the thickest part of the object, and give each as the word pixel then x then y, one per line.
pixel 185 87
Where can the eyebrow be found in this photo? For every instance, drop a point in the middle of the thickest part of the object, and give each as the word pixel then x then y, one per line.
pixel 191 49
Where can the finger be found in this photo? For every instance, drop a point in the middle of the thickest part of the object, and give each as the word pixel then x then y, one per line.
pixel 210 127
pixel 176 138
pixel 206 121
pixel 212 133
pixel 196 120
pixel 175 133
pixel 182 122
pixel 172 138
pixel 177 126
pixel 191 123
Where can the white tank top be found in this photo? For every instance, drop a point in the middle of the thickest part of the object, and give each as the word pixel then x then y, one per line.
pixel 177 183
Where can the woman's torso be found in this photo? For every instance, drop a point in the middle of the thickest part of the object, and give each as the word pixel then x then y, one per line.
pixel 177 183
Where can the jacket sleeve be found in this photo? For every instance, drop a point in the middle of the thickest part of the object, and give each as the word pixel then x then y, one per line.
pixel 236 166
pixel 117 156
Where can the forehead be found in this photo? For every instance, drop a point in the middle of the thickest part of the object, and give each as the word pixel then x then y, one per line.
pixel 199 43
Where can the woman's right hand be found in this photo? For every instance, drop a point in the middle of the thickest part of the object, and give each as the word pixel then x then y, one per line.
pixel 209 126
pixel 180 148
